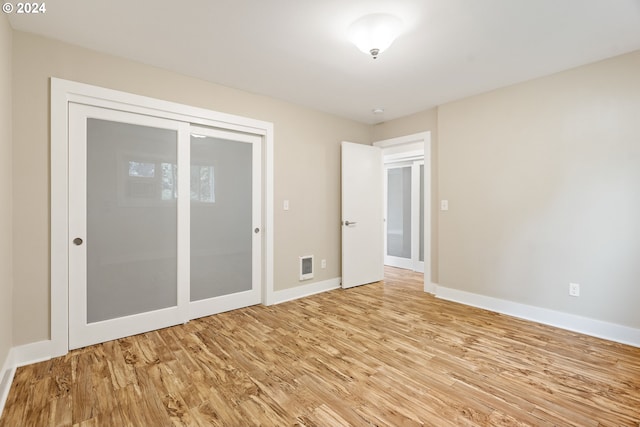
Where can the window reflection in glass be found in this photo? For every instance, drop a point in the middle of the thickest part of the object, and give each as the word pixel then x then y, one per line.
pixel 169 181
pixel 142 169
pixel 202 184
pixel 142 182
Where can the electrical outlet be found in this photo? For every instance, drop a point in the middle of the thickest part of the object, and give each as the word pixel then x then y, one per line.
pixel 323 263
pixel 574 289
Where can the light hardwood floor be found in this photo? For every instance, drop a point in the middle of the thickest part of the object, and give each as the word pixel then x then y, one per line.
pixel 384 354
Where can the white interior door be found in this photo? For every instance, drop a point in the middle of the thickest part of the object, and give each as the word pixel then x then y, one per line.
pixel 123 223
pixel 164 223
pixel 225 247
pixel 404 219
pixel 362 215
pixel 398 220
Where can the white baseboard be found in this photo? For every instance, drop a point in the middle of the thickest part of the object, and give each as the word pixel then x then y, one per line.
pixel 6 378
pixel 19 356
pixel 571 322
pixel 305 290
pixel 430 287
pixel 34 352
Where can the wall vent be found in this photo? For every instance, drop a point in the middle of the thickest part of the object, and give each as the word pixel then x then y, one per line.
pixel 306 267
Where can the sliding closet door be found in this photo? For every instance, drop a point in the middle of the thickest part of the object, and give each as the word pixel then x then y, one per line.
pixel 165 223
pixel 123 220
pixel 225 221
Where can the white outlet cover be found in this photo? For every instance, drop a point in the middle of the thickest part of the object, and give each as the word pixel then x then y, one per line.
pixel 574 289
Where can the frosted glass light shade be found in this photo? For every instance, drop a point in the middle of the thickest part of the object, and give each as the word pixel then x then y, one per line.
pixel 374 33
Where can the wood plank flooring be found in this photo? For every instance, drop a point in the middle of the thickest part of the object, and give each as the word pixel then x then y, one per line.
pixel 384 354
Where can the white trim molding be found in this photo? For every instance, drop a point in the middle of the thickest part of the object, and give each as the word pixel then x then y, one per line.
pixel 6 378
pixel 571 322
pixel 34 352
pixel 302 291
pixel 20 356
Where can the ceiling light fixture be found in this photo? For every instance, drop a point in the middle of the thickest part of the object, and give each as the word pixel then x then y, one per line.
pixel 374 33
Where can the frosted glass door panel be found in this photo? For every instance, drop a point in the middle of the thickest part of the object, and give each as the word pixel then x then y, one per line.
pixel 131 219
pixel 221 217
pixel 399 212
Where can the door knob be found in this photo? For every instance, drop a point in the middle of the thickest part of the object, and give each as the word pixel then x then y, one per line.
pixel 77 241
pixel 348 223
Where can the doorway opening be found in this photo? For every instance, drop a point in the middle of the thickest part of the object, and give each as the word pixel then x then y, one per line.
pixel 407 203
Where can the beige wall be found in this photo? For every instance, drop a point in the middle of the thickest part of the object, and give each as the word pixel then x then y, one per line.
pixel 6 276
pixel 540 178
pixel 543 182
pixel 426 120
pixel 307 151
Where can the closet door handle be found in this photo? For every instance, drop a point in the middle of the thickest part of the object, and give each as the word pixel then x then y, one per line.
pixel 77 241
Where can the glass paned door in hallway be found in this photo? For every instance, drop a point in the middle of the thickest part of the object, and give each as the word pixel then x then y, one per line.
pixel 404 221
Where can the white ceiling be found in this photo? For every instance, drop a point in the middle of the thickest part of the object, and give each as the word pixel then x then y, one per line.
pixel 297 50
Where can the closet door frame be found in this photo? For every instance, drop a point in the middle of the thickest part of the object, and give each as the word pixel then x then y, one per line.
pixel 64 92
